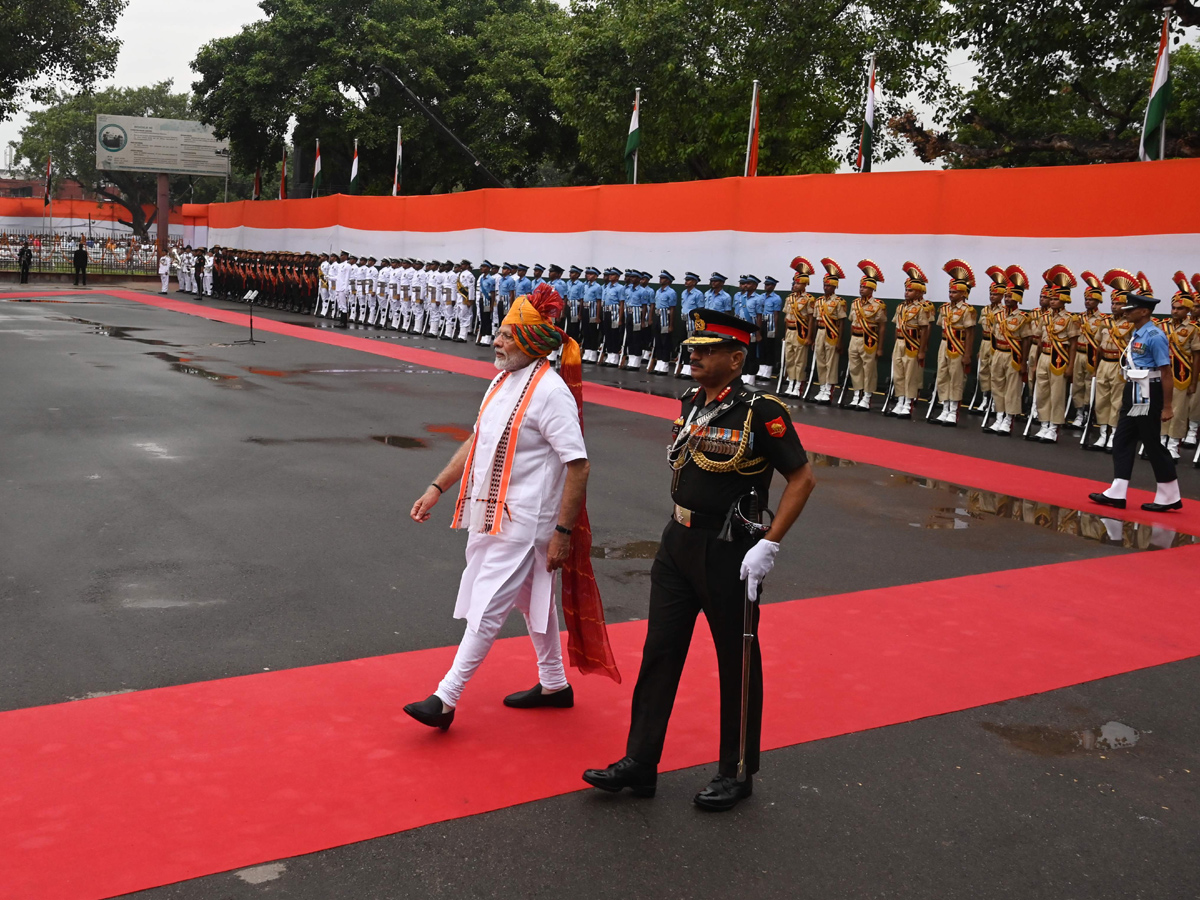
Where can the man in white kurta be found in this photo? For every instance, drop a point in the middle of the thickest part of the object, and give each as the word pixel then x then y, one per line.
pixel 520 537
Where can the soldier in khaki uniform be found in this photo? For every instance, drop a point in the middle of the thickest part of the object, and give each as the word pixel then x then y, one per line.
pixel 957 320
pixel 1194 402
pixel 868 319
pixel 1183 336
pixel 1012 333
pixel 912 337
pixel 1039 318
pixel 1087 348
pixel 798 319
pixel 983 367
pixel 1110 382
pixel 828 311
pixel 1057 341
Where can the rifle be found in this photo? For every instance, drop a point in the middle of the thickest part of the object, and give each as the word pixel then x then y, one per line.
pixel 812 372
pixel 887 398
pixel 987 411
pixel 975 393
pixel 1087 418
pixel 782 359
pixel 933 397
pixel 845 381
pixel 1032 411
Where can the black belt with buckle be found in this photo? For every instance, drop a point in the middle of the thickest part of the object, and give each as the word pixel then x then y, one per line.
pixel 691 519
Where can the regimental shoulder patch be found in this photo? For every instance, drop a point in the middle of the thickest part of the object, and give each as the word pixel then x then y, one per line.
pixel 777 428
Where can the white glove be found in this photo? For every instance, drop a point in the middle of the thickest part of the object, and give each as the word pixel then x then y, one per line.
pixel 758 561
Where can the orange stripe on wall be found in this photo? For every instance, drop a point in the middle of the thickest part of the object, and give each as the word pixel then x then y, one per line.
pixel 1062 201
pixel 33 208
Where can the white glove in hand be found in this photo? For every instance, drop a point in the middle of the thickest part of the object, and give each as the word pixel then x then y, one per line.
pixel 758 561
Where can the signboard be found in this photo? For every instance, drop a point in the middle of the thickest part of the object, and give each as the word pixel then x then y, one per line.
pixel 174 146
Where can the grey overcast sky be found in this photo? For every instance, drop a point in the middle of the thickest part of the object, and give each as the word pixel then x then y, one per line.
pixel 159 40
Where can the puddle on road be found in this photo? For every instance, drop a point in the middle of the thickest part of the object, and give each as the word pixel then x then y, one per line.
pixel 454 432
pixel 399 440
pixel 120 332
pixel 391 440
pixel 1043 740
pixel 631 550
pixel 187 366
pixel 963 508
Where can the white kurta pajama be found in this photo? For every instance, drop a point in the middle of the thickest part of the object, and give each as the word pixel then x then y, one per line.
pixel 508 569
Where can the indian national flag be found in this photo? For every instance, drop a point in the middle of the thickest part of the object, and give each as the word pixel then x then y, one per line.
pixel 354 170
pixel 634 140
pixel 316 185
pixel 1154 128
pixel 868 132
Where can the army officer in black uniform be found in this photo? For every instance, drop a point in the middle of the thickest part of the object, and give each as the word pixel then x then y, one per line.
pixel 728 442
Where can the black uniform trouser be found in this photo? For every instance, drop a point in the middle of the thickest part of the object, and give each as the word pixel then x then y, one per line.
pixel 614 331
pixel 664 344
pixel 80 272
pixel 1148 430
pixel 638 339
pixel 692 573
pixel 24 274
pixel 590 332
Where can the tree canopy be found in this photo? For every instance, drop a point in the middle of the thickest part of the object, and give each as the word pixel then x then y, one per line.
pixel 1071 88
pixel 479 65
pixel 67 129
pixel 47 41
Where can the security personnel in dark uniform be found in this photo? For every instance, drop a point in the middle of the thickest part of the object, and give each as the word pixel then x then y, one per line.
pixel 80 259
pixel 24 261
pixel 728 442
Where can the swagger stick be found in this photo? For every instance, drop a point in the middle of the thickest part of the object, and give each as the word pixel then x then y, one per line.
pixel 747 650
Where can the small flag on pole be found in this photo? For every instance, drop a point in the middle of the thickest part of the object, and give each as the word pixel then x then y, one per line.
pixel 258 183
pixel 354 170
pixel 1154 128
pixel 396 175
pixel 752 136
pixel 283 176
pixel 49 178
pixel 634 140
pixel 316 185
pixel 868 133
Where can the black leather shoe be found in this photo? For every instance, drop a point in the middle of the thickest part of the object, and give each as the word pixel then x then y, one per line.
pixel 1162 507
pixel 534 698
pixel 724 792
pixel 640 778
pixel 1104 500
pixel 429 712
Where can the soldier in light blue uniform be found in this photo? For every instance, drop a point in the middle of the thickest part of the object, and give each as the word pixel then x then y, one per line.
pixel 666 304
pixel 572 294
pixel 716 298
pixel 523 286
pixel 589 325
pixel 486 301
pixel 691 299
pixel 613 322
pixel 772 330
pixel 505 294
pixel 637 319
pixel 538 269
pixel 747 305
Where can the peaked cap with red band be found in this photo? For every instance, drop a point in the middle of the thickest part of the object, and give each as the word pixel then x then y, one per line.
pixel 714 328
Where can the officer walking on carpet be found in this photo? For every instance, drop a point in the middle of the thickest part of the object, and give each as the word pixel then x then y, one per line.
pixel 1145 406
pixel 713 556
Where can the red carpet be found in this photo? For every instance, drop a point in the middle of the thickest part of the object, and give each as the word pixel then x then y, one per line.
pixel 913 459
pixel 123 793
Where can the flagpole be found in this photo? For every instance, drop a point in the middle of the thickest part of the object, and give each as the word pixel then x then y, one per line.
pixel 750 130
pixel 1162 132
pixel 396 175
pixel 316 171
pixel 637 104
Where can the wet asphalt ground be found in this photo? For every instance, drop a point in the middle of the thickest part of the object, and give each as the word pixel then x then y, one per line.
pixel 179 508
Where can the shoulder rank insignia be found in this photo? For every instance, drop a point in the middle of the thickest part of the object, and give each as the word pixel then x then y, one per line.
pixel 776 427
